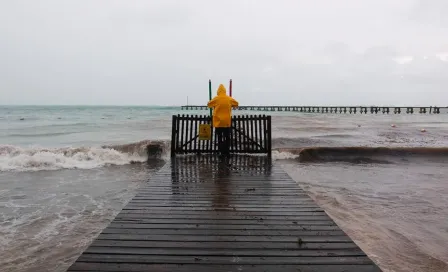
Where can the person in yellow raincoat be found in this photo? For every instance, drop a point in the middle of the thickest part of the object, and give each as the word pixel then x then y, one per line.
pixel 222 105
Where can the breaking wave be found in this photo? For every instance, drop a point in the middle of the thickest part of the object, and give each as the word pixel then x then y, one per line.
pixel 14 158
pixel 368 154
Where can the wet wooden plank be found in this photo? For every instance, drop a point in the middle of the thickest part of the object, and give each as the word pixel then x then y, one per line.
pixel 242 192
pixel 219 214
pixel 120 267
pixel 194 259
pixel 354 252
pixel 247 193
pixel 194 216
pixel 224 200
pixel 233 199
pixel 235 205
pixel 234 238
pixel 291 227
pixel 225 244
pixel 271 223
pixel 221 201
pixel 209 216
pixel 227 232
pixel 200 209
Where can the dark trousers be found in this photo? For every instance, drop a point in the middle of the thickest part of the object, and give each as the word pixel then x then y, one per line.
pixel 223 134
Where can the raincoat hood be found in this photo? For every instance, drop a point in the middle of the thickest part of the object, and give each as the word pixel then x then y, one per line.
pixel 222 108
pixel 221 90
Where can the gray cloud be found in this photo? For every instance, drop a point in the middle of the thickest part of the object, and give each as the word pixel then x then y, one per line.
pixel 282 52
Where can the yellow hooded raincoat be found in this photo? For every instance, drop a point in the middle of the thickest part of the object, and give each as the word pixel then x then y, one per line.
pixel 222 108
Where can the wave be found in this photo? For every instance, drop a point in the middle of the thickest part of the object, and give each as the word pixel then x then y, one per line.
pixel 367 154
pixel 14 158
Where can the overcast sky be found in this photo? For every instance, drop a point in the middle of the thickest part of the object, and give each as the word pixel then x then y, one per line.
pixel 322 52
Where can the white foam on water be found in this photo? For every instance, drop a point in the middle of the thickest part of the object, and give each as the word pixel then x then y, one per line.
pixel 283 155
pixel 13 158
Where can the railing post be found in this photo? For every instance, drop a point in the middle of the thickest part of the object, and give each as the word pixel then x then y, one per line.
pixel 173 136
pixel 269 143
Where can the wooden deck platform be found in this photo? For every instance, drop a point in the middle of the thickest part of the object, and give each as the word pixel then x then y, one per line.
pixel 199 214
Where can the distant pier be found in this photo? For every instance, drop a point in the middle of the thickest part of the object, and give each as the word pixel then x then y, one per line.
pixel 334 109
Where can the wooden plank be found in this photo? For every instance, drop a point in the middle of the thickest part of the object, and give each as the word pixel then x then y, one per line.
pixel 210 217
pixel 173 135
pixel 245 191
pixel 241 194
pixel 269 137
pixel 187 245
pixel 252 136
pixel 204 202
pixel 197 209
pixel 196 132
pixel 160 184
pixel 226 205
pixel 234 193
pixel 204 231
pixel 115 267
pixel 294 227
pixel 234 198
pixel 187 182
pixel 256 136
pixel 251 188
pixel 218 201
pixel 226 222
pixel 188 130
pixel 162 259
pixel 199 143
pixel 202 144
pixel 260 131
pixel 178 132
pixel 234 181
pixel 243 132
pixel 226 252
pixel 298 199
pixel 211 238
pixel 228 197
pixel 192 136
pixel 182 132
pixel 215 217
pixel 240 137
pixel 217 213
pixel 209 143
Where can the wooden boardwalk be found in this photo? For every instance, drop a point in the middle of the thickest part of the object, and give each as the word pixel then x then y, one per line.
pixel 198 214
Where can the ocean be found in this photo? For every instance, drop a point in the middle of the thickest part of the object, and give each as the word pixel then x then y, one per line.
pixel 66 171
